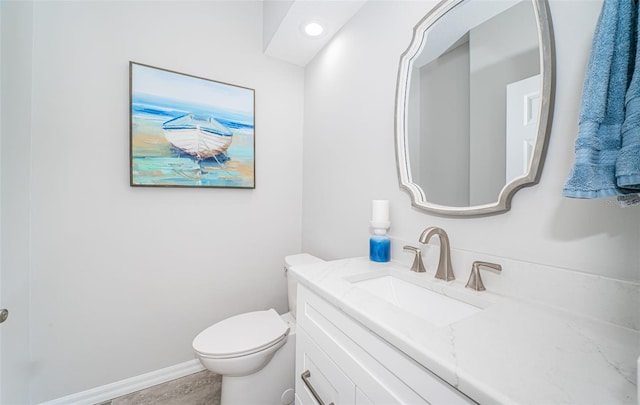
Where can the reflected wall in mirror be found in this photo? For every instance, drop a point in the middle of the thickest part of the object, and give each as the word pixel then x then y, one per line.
pixel 473 105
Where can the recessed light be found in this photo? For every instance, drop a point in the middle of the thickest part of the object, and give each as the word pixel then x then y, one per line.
pixel 313 29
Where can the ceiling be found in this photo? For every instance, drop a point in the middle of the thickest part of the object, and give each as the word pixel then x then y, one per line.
pixel 283 20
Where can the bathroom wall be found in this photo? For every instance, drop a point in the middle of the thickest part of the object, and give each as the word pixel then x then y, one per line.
pixel 450 116
pixel 122 279
pixel 350 159
pixel 15 166
pixel 514 56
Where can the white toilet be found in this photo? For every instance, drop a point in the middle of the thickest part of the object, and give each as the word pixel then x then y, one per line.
pixel 255 352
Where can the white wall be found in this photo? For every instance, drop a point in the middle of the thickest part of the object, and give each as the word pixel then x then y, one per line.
pixel 349 155
pixel 274 11
pixel 15 140
pixel 122 279
pixel 444 115
pixel 514 56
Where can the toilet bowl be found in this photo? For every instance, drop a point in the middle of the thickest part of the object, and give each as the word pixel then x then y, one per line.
pixel 255 351
pixel 243 344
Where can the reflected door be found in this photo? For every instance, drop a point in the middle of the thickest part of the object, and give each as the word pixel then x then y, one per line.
pixel 523 106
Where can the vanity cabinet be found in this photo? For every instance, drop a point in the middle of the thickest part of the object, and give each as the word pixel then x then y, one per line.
pixel 340 361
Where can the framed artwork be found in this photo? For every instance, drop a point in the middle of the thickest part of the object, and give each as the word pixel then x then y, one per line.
pixel 187 131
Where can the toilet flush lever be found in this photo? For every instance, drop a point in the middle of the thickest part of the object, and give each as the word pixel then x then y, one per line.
pixel 4 314
pixel 475 281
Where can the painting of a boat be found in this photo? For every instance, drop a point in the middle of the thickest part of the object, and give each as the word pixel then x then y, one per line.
pixel 188 131
pixel 199 136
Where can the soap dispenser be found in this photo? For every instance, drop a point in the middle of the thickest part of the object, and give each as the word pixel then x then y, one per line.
pixel 379 242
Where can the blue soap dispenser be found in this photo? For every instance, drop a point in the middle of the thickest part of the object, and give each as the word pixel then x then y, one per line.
pixel 379 243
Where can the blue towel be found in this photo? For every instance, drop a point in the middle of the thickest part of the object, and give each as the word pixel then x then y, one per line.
pixel 628 163
pixel 602 111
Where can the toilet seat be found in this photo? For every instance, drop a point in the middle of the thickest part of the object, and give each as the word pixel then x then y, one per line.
pixel 241 335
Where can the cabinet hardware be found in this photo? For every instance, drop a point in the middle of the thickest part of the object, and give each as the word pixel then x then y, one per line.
pixel 305 379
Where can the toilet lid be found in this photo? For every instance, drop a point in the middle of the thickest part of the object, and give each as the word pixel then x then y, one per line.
pixel 241 334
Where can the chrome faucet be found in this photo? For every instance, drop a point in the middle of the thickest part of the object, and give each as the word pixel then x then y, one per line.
pixel 445 271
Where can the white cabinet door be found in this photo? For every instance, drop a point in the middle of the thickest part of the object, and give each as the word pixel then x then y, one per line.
pixel 380 373
pixel 318 379
pixel 323 325
pixel 361 398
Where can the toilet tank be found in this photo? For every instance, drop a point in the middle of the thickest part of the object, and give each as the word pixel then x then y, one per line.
pixel 292 289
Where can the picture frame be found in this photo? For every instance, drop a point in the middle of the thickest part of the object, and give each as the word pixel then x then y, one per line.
pixel 188 131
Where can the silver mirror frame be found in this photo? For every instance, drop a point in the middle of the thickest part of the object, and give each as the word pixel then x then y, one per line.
pixel 532 177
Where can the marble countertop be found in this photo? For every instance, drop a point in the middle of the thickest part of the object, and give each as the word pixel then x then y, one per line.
pixel 510 352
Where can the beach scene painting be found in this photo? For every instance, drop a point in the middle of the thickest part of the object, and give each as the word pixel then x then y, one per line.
pixel 187 131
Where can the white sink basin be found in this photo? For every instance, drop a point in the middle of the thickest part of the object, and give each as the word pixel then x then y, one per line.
pixel 431 306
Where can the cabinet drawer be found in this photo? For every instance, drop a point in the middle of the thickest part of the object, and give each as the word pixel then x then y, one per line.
pixel 383 373
pixel 325 377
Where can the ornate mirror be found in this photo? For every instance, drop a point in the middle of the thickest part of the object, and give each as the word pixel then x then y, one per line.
pixel 474 103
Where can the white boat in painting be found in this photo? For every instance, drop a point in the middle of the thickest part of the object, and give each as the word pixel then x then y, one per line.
pixel 197 135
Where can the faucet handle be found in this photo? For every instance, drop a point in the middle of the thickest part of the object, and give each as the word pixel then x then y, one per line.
pixel 475 281
pixel 417 265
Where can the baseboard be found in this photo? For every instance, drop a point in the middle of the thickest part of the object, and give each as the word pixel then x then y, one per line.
pixel 133 384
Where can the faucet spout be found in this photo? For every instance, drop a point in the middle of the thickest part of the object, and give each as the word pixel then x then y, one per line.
pixel 445 271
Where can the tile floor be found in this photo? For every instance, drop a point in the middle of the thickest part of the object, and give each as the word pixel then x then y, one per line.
pixel 201 388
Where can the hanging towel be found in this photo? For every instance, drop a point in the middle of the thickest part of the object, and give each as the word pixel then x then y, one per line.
pixel 628 163
pixel 602 110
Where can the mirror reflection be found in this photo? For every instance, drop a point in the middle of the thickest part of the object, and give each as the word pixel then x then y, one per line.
pixel 472 105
